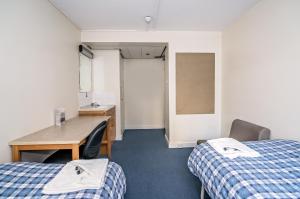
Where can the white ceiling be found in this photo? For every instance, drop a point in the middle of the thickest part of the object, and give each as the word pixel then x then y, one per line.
pixel 131 50
pixel 167 14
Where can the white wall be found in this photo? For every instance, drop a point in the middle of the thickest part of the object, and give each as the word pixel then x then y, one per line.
pixel 144 93
pixel 106 82
pixel 39 68
pixel 184 129
pixel 122 109
pixel 261 68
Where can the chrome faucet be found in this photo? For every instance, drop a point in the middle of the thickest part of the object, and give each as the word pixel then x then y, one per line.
pixel 94 104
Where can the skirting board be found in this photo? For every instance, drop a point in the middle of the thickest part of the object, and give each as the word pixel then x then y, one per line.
pixel 119 137
pixel 144 127
pixel 167 140
pixel 182 144
pixel 179 144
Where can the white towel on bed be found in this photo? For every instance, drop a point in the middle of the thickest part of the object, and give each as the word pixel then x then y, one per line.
pixel 231 148
pixel 92 173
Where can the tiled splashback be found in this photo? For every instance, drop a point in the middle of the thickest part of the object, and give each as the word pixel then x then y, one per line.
pixel 85 98
pixel 104 98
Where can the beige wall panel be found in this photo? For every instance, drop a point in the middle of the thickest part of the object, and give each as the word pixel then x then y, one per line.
pixel 195 83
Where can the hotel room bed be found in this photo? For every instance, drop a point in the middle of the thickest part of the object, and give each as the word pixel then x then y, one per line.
pixel 276 174
pixel 23 179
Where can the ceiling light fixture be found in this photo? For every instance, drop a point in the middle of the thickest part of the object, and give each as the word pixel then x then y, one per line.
pixel 148 19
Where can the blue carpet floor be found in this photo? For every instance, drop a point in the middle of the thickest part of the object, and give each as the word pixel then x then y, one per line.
pixel 153 171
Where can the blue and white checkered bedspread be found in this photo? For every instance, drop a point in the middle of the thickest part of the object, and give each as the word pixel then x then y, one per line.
pixel 276 174
pixel 26 180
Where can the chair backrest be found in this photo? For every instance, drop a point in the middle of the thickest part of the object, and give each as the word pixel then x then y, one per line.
pixel 246 131
pixel 92 147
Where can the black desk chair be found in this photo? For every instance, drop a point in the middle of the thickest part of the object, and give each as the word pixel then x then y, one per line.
pixel 91 149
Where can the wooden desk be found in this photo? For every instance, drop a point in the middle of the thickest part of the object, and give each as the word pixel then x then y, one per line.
pixel 70 135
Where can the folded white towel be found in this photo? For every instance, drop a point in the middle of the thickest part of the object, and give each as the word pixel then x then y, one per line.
pixel 231 148
pixel 77 175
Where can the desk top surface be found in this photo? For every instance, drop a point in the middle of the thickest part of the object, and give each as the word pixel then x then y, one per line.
pixel 73 131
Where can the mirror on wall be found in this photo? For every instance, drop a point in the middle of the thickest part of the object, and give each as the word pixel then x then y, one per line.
pixel 85 73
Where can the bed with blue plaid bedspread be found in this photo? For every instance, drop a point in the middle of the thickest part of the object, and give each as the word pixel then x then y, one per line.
pixel 26 180
pixel 276 174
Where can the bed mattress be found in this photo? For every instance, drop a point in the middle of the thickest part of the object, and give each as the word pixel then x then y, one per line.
pixel 26 180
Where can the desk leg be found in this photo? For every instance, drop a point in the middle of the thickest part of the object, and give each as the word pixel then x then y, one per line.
pixel 75 152
pixel 16 154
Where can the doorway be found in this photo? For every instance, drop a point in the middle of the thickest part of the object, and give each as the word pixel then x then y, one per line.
pixel 141 74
